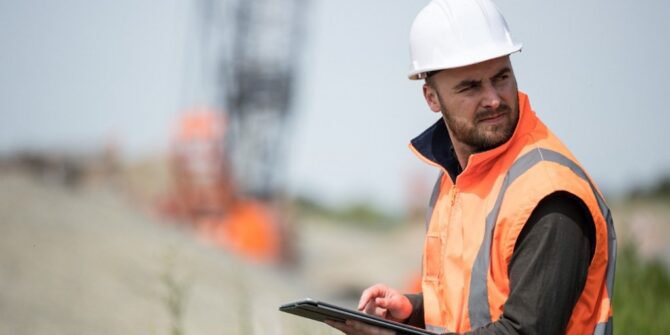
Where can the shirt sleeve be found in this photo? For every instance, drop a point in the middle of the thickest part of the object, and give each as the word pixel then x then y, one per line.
pixel 416 319
pixel 548 269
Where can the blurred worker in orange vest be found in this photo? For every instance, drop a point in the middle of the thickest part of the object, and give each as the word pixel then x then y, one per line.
pixel 206 195
pixel 519 240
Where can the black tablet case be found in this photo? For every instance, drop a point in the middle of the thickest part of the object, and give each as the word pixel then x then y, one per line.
pixel 321 311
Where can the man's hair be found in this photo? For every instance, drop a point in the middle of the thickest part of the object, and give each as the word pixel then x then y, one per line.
pixel 430 81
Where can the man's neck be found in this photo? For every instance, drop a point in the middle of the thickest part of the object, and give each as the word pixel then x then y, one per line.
pixel 462 152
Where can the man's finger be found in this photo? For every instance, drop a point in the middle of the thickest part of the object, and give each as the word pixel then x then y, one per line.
pixel 380 312
pixel 372 309
pixel 398 307
pixel 392 303
pixel 369 294
pixel 382 302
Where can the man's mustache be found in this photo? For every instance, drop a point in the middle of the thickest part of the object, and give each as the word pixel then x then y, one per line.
pixel 489 113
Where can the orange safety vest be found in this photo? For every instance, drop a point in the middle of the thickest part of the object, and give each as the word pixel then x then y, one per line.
pixel 473 225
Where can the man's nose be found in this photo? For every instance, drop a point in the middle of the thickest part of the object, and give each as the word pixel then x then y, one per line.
pixel 491 98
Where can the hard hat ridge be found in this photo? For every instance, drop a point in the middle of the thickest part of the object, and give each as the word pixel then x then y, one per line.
pixel 454 33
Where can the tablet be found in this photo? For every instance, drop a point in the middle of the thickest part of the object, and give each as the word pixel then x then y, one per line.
pixel 321 311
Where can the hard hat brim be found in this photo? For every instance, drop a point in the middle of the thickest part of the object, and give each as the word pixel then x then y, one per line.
pixel 421 73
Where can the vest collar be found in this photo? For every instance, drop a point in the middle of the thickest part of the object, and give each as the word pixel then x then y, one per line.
pixel 434 145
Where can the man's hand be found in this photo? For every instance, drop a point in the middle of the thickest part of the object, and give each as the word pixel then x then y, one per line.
pixel 382 301
pixel 385 302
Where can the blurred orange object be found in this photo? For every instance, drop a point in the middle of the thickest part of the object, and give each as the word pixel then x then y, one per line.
pixel 202 181
pixel 414 284
pixel 205 195
pixel 248 229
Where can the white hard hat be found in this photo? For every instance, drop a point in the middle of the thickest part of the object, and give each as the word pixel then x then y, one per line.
pixel 454 33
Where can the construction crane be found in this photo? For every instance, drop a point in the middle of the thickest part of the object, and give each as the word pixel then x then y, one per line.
pixel 251 51
pixel 230 173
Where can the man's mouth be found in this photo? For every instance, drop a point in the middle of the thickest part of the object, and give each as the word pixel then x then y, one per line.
pixel 492 118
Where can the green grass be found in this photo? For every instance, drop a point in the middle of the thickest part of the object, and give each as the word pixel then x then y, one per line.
pixel 175 292
pixel 641 295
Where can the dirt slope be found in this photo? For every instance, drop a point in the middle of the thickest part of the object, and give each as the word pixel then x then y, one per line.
pixel 89 261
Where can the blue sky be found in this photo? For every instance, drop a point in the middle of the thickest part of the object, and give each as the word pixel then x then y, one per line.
pixel 75 73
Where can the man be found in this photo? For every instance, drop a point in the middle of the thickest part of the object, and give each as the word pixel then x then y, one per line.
pixel 519 240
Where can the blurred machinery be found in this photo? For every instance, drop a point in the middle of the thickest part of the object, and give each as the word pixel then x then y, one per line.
pixel 228 166
pixel 206 196
pixel 200 170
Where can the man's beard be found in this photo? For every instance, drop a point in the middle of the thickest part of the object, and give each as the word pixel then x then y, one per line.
pixel 481 137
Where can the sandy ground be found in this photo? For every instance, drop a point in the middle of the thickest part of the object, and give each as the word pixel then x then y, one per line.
pixel 90 261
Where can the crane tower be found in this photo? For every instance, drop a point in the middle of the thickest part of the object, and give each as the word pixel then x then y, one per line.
pixel 251 53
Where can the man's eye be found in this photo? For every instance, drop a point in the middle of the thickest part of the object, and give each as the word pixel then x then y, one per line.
pixel 466 88
pixel 502 77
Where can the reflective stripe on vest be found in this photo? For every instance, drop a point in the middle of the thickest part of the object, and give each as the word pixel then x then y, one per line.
pixel 433 200
pixel 478 299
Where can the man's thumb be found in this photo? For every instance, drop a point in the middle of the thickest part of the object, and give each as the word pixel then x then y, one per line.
pixel 382 302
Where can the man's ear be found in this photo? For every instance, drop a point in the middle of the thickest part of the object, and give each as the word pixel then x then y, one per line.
pixel 432 100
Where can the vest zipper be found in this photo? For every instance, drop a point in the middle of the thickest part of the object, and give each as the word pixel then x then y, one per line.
pixel 452 199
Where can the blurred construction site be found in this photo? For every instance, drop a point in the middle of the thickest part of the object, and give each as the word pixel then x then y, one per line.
pixel 201 238
pixel 205 237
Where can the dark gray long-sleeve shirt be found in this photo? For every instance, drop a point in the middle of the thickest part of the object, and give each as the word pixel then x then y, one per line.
pixel 547 271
